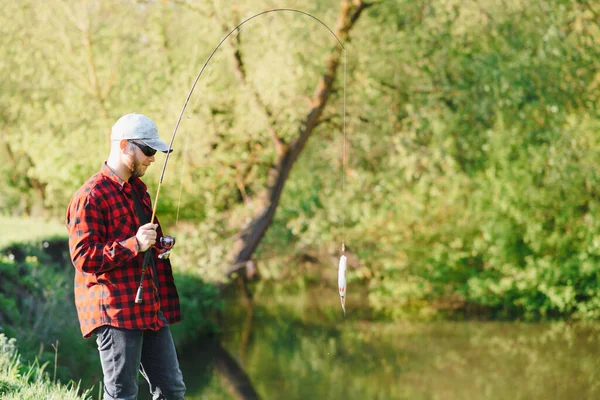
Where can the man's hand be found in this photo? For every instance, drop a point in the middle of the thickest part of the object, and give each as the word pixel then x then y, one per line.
pixel 146 236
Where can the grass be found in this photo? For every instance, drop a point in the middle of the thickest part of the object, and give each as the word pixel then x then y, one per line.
pixel 18 381
pixel 22 230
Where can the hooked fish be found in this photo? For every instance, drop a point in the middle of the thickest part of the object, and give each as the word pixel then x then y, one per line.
pixel 342 282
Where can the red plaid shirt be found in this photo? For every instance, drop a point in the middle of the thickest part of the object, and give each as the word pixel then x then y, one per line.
pixel 102 225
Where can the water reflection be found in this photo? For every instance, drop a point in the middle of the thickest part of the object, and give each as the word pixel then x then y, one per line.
pixel 288 352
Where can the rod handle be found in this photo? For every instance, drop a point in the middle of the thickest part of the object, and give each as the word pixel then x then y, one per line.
pixel 138 296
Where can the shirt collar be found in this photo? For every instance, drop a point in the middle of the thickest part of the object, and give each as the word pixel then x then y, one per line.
pixel 123 186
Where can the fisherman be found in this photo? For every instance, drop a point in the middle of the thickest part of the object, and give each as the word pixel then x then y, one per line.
pixel 110 230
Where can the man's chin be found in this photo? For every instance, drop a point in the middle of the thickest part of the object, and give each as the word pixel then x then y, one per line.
pixel 139 174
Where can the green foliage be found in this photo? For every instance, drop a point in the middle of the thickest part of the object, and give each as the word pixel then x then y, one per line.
pixel 200 302
pixel 117 57
pixel 35 292
pixel 30 382
pixel 496 195
pixel 471 139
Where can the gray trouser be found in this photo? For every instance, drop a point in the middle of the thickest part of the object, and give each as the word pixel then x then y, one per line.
pixel 124 352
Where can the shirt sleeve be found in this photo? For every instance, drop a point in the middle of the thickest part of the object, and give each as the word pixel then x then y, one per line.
pixel 90 251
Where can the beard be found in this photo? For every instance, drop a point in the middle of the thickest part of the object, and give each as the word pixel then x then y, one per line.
pixel 134 165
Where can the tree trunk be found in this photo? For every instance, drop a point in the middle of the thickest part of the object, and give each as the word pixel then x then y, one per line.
pixel 253 233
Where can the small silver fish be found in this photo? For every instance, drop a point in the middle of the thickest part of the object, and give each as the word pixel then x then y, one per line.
pixel 342 282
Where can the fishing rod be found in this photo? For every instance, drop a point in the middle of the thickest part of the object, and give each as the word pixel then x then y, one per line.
pixel 139 294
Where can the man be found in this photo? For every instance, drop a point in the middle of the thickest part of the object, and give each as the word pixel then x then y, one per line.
pixel 109 234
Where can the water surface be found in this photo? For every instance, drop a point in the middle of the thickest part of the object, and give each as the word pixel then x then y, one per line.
pixel 299 346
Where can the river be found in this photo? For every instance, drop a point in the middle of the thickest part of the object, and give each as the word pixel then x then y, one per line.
pixel 298 345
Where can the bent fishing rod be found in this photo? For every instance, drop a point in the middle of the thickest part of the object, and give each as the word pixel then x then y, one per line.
pixel 139 294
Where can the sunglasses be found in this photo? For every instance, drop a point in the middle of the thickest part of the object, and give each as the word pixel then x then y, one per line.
pixel 147 150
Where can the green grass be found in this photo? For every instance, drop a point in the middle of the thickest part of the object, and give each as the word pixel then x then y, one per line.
pixel 25 230
pixel 24 382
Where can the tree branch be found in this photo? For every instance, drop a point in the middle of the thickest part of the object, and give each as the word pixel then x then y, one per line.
pixel 9 151
pixel 240 72
pixel 253 233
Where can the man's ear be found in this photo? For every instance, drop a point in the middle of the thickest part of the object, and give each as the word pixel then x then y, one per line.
pixel 123 144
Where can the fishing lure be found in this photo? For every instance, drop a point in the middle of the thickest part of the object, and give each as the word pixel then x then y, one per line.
pixel 342 282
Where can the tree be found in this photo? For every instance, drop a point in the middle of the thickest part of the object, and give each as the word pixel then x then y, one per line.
pixel 288 152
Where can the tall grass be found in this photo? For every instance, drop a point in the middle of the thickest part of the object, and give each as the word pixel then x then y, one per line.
pixel 24 382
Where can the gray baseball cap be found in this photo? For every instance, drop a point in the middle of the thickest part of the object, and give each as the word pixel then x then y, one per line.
pixel 138 127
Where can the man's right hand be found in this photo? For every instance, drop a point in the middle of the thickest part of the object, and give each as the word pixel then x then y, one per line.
pixel 146 236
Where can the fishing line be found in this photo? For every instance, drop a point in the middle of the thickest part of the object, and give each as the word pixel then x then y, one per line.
pixel 344 163
pixel 342 263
